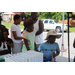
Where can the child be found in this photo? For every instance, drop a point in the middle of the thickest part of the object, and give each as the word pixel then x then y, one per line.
pixel 50 48
pixel 16 34
pixel 29 34
pixel 8 42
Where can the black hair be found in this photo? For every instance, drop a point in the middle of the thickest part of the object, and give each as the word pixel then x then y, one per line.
pixel 16 17
pixel 28 22
pixel 6 30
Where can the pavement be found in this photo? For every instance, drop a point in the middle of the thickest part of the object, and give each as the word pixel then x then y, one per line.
pixel 63 56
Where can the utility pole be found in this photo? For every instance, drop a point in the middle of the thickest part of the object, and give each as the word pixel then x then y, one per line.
pixel 68 40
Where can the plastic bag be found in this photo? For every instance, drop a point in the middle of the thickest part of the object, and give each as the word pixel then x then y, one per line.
pixel 3 48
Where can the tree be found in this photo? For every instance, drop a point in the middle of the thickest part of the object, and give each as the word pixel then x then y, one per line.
pixel 46 15
pixel 53 15
pixel 28 14
pixel 50 15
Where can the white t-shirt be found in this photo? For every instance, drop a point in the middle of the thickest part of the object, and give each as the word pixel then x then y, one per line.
pixel 38 38
pixel 18 32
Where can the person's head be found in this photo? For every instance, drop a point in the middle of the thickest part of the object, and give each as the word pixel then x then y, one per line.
pixel 52 35
pixel 34 16
pixel 17 19
pixel 5 33
pixel 51 39
pixel 28 23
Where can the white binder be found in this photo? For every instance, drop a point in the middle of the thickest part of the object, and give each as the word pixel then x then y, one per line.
pixel 28 56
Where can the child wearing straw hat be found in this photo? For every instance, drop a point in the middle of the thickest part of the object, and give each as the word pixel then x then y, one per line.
pixel 50 48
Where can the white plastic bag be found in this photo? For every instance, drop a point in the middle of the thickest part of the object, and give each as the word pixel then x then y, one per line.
pixel 1 48
pixel 6 48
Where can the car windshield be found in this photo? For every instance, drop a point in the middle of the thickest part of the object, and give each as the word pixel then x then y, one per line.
pixel 56 21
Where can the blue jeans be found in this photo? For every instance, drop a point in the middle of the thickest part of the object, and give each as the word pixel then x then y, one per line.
pixel 48 59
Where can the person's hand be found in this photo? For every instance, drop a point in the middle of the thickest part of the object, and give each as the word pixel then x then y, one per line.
pixel 6 42
pixel 23 38
pixel 52 58
pixel 53 55
pixel 26 41
pixel 36 47
pixel 44 57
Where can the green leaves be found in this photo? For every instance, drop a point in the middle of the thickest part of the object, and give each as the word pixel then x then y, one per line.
pixel 49 15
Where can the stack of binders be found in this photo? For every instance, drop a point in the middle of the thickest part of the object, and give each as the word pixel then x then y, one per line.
pixel 28 56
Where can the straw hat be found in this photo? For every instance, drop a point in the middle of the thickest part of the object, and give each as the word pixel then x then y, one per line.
pixel 53 32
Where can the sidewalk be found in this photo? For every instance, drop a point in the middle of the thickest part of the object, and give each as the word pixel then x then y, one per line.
pixel 59 58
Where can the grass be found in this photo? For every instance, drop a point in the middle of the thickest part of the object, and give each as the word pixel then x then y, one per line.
pixel 72 29
pixel 8 25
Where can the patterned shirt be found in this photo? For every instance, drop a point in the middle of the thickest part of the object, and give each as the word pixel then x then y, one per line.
pixel 30 36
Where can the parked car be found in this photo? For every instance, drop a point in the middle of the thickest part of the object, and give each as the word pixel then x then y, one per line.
pixel 53 24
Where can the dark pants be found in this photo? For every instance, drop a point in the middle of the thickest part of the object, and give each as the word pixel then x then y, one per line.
pixel 74 59
pixel 48 59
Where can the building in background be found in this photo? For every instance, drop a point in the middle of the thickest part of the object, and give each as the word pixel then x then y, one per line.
pixel 8 16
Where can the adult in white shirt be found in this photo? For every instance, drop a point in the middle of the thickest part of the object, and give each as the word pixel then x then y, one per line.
pixel 38 27
pixel 16 35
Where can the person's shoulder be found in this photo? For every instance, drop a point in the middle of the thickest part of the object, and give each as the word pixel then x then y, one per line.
pixel 13 24
pixel 40 20
pixel 45 43
pixel 25 31
pixel 3 26
pixel 9 39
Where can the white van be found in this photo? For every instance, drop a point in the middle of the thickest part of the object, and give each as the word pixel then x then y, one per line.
pixel 54 24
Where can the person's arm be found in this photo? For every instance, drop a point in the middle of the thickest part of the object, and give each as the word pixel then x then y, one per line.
pixel 9 44
pixel 56 54
pixel 26 44
pixel 26 41
pixel 41 48
pixel 57 51
pixel 16 37
pixel 36 47
pixel 41 28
